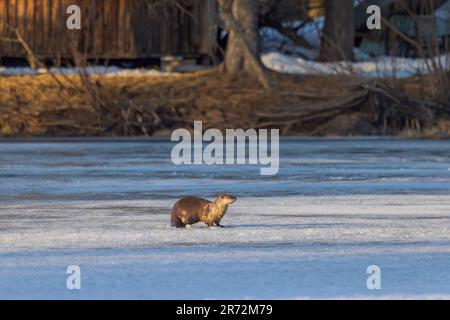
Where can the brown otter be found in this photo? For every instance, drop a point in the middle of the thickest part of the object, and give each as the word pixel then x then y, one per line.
pixel 191 210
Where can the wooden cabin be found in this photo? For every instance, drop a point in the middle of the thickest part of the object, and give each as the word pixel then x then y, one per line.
pixel 110 29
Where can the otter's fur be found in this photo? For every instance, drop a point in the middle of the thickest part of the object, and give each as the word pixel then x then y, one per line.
pixel 191 210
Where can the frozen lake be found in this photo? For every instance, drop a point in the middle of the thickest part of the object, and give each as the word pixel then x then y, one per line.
pixel 336 207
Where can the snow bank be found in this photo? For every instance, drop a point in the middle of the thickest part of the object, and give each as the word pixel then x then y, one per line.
pixel 281 54
pixel 273 41
pixel 364 67
pixel 110 71
pixel 380 67
pixel 444 11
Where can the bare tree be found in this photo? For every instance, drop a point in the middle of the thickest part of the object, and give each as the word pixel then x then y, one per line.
pixel 338 33
pixel 241 57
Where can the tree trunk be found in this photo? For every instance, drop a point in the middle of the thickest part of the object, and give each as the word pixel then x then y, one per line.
pixel 242 57
pixel 338 33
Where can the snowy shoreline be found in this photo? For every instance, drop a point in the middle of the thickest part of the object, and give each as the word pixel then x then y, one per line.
pixel 366 67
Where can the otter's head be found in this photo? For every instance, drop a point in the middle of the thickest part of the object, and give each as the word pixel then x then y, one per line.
pixel 225 199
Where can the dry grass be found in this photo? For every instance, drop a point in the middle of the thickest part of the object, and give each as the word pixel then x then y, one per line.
pixel 155 105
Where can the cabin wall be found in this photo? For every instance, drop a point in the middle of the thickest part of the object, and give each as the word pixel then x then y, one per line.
pixel 110 28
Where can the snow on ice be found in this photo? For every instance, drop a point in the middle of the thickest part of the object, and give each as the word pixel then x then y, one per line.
pixel 284 247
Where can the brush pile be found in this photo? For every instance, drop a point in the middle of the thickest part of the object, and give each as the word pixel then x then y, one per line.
pixel 85 105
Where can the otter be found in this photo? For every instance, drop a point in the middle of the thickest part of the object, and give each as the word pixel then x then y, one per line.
pixel 191 210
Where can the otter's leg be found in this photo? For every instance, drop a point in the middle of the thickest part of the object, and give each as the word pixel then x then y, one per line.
pixel 178 223
pixel 208 222
pixel 218 224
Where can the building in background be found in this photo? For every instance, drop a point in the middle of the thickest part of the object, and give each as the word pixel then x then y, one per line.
pixel 113 29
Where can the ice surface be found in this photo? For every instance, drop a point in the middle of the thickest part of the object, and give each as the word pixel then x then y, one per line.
pixel 284 247
pixel 337 207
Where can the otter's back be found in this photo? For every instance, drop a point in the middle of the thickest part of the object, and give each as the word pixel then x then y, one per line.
pixel 188 209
